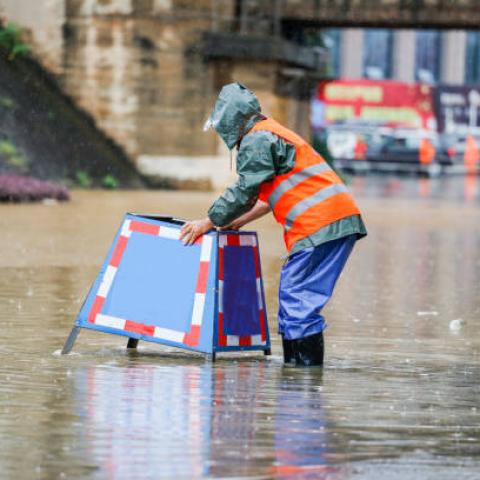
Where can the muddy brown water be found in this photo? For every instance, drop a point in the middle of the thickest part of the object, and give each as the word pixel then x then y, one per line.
pixel 399 396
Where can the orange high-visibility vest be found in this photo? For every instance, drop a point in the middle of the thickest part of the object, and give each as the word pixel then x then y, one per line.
pixel 308 197
pixel 360 150
pixel 471 155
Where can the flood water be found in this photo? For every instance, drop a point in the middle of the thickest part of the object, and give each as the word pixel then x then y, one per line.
pixel 398 398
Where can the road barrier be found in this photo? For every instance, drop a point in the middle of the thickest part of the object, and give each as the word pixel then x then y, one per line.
pixel 206 297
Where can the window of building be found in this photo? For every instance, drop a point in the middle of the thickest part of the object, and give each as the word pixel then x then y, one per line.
pixel 377 53
pixel 331 39
pixel 427 56
pixel 472 60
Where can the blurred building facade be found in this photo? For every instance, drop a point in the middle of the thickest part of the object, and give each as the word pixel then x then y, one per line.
pixel 430 56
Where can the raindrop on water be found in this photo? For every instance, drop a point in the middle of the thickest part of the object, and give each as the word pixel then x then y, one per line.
pixel 456 325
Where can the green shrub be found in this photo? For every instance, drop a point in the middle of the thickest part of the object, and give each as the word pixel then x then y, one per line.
pixel 6 102
pixel 13 157
pixel 11 40
pixel 18 162
pixel 83 179
pixel 110 182
pixel 7 148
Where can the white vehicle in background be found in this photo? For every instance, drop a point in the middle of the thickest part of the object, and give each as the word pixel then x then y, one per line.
pixel 341 144
pixel 384 149
pixel 400 151
pixel 342 138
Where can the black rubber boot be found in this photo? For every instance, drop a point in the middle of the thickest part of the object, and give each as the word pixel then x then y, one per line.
pixel 308 351
pixel 288 353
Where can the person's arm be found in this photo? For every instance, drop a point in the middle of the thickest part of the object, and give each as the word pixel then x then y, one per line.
pixel 259 210
pixel 192 230
pixel 255 165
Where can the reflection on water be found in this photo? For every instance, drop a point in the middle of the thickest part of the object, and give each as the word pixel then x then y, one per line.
pixel 463 188
pixel 196 420
pixel 156 410
pixel 398 397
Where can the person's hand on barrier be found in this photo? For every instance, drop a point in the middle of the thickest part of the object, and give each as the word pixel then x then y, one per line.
pixel 235 225
pixel 194 229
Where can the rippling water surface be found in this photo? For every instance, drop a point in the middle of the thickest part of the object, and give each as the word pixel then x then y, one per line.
pixel 399 396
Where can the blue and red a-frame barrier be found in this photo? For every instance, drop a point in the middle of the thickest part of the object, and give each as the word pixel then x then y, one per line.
pixel 207 297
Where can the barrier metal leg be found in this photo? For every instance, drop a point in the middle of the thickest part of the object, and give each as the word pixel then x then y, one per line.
pixel 70 340
pixel 268 351
pixel 132 343
pixel 211 357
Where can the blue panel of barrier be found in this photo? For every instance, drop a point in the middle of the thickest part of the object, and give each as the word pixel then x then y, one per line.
pixel 240 292
pixel 170 277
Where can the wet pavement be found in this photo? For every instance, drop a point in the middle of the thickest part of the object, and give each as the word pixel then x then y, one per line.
pixel 399 396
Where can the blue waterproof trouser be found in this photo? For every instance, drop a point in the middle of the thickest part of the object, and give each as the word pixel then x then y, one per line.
pixel 306 284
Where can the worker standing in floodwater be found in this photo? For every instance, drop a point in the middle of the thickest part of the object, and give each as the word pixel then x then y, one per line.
pixel 280 172
pixel 471 155
pixel 426 152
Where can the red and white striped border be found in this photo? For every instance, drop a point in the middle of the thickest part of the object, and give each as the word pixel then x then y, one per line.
pixel 244 240
pixel 190 338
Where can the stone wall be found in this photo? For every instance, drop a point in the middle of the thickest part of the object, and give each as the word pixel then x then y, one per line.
pixel 137 67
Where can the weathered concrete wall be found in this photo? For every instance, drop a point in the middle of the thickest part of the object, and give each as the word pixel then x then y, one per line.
pixel 136 66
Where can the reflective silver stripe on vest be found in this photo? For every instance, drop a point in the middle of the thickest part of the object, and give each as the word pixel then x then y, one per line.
pixel 304 205
pixel 295 179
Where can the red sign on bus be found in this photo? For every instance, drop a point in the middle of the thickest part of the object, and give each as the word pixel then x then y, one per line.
pixel 378 102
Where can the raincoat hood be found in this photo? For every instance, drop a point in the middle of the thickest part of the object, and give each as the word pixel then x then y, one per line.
pixel 235 112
